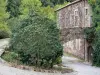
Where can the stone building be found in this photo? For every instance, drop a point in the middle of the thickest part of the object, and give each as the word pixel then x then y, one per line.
pixel 72 19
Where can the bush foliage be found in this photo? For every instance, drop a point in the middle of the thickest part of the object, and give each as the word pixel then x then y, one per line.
pixel 96 45
pixel 10 56
pixel 36 40
pixel 4 30
pixel 93 33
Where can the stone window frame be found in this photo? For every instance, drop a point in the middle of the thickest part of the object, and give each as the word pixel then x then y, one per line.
pixel 59 20
pixel 72 20
pixel 87 16
pixel 86 11
pixel 76 15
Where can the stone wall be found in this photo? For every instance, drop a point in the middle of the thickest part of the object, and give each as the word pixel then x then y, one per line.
pixel 75 15
pixel 73 41
pixel 72 19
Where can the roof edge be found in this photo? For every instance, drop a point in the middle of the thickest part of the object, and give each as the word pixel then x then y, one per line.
pixel 69 4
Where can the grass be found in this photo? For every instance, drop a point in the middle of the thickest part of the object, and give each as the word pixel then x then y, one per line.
pixel 12 58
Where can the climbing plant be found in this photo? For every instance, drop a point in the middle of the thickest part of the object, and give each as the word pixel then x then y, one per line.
pixel 93 33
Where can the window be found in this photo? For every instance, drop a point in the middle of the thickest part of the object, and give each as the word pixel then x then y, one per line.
pixel 75 12
pixel 86 11
pixel 76 22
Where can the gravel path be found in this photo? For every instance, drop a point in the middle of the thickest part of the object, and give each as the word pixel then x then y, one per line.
pixel 81 67
pixel 3 43
pixel 5 70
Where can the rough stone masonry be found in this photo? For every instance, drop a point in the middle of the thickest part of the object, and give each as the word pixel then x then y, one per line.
pixel 72 19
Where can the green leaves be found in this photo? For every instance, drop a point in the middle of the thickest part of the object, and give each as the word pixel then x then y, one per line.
pixel 13 7
pixel 37 38
pixel 3 14
pixel 4 30
pixel 94 32
pixel 92 2
pixel 52 3
pixel 29 5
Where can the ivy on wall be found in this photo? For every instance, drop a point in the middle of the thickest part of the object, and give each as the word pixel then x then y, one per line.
pixel 93 33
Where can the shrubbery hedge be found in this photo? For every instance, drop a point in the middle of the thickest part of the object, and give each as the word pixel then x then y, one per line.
pixel 36 40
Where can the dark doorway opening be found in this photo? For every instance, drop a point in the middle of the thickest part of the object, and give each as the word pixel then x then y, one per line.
pixel 89 53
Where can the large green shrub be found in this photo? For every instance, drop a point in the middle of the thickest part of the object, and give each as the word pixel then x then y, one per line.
pixel 36 40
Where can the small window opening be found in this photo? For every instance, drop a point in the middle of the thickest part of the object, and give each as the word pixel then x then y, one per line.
pixel 86 11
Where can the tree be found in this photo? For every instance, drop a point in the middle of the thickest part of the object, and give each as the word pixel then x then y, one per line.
pixel 36 40
pixel 24 8
pixel 13 7
pixel 70 0
pixel 3 18
pixel 28 6
pixel 3 14
pixel 52 3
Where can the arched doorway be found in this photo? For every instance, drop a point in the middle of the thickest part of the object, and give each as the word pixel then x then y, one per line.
pixel 89 53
